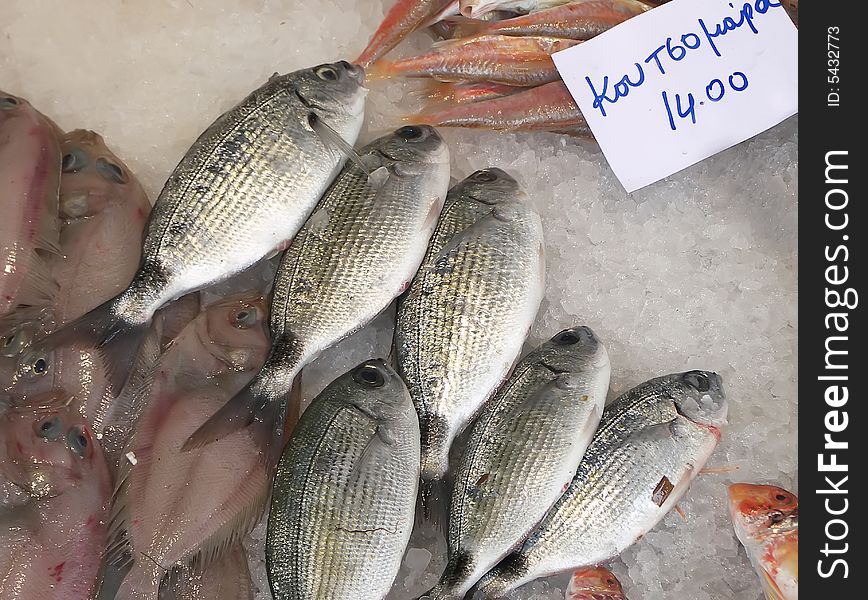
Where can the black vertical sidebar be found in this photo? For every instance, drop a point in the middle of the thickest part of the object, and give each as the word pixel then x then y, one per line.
pixel 832 264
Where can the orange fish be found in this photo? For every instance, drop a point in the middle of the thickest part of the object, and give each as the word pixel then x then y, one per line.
pixel 462 93
pixel 594 583
pixel 549 107
pixel 517 61
pixel 766 520
pixel 579 20
pixel 403 18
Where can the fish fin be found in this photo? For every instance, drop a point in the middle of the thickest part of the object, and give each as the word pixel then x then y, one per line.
pixel 125 412
pixel 432 504
pixel 249 407
pixel 178 315
pixel 463 27
pixel 293 408
pixel 251 502
pixel 378 177
pixel 330 137
pixel 39 287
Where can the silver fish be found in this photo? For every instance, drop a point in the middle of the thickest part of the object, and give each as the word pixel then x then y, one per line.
pixel 345 490
pixel 468 310
pixel 652 441
pixel 522 452
pixel 357 253
pixel 244 188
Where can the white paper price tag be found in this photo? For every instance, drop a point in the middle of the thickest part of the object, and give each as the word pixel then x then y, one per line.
pixel 684 81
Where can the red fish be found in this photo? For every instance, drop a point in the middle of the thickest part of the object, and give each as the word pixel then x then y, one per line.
pixel 594 583
pixel 403 18
pixel 548 107
pixel 517 61
pixel 579 20
pixel 766 520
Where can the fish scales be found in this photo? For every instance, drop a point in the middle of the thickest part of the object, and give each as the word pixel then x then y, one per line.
pixel 356 254
pixel 467 312
pixel 522 452
pixel 345 488
pixel 642 438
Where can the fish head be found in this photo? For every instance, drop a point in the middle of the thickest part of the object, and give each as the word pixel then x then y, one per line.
pixel 377 390
pixel 594 583
pixel 699 396
pixel 574 350
pixel 48 449
pixel 412 144
pixel 759 511
pixel 488 186
pixel 235 330
pixel 332 89
pixel 93 176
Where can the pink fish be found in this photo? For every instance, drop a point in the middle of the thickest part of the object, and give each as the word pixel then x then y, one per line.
pixel 52 538
pixel 403 18
pixel 180 509
pixel 104 210
pixel 594 583
pixel 29 178
pixel 517 61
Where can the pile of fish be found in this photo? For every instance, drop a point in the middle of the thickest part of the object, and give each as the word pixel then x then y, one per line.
pixel 493 69
pixel 144 431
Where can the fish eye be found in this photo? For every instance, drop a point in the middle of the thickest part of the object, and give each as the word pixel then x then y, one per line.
pixel 40 366
pixel 74 161
pixel 327 74
pixel 110 171
pixel 485 176
pixel 698 380
pixel 567 337
pixel 77 441
pixel 409 133
pixel 245 318
pixel 782 498
pixel 369 375
pixel 8 102
pixel 49 428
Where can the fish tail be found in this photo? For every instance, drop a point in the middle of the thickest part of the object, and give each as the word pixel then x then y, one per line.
pixel 432 504
pixel 382 69
pixel 116 339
